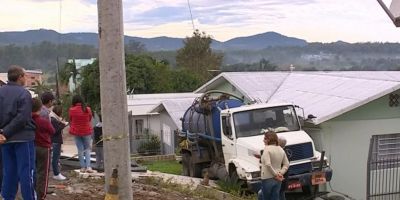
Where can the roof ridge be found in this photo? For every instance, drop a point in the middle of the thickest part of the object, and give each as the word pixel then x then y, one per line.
pixel 343 75
pixel 279 86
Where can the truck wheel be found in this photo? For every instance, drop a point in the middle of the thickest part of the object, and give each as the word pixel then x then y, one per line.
pixel 186 160
pixel 309 190
pixel 236 181
pixel 195 170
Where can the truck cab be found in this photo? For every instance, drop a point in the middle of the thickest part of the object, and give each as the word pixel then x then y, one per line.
pixel 242 143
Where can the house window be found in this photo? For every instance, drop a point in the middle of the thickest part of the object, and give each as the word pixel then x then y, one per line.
pixel 139 126
pixel 33 83
pixel 33 78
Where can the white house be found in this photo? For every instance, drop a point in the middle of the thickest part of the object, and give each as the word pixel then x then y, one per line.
pixel 147 116
pixel 170 114
pixel 349 107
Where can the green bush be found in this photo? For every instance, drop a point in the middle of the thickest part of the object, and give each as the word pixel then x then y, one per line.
pixel 152 145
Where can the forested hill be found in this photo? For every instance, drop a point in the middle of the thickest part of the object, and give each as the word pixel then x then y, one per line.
pixel 39 53
pixel 259 41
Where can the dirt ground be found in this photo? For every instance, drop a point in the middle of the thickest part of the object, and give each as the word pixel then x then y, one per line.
pixel 76 188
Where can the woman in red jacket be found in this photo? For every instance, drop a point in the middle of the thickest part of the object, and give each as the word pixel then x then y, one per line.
pixel 80 117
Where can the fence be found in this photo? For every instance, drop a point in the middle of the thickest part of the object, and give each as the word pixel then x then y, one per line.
pixel 383 170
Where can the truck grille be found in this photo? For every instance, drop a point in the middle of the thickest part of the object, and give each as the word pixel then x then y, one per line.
pixel 299 151
pixel 300 169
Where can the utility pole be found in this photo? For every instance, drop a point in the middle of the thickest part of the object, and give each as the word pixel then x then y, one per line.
pixel 113 96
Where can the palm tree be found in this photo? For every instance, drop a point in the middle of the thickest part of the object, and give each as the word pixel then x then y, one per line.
pixel 40 88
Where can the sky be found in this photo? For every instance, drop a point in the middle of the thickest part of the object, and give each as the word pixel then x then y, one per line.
pixel 312 20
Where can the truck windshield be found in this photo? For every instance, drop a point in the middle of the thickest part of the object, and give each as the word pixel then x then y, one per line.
pixel 281 118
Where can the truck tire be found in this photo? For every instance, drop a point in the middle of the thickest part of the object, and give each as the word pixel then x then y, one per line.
pixel 186 160
pixel 195 170
pixel 309 190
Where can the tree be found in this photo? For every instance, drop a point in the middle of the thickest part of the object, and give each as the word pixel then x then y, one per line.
pixel 185 81
pixel 90 85
pixel 67 71
pixel 144 75
pixel 197 56
pixel 40 88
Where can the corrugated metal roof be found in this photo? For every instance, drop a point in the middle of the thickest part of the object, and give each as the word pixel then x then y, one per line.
pixel 324 94
pixel 175 108
pixel 142 104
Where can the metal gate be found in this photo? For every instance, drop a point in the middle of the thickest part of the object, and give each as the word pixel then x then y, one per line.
pixel 383 170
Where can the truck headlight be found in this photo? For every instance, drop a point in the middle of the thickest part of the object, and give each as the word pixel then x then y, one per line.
pixel 253 175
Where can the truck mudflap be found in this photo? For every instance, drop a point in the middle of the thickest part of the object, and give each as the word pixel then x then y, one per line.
pixel 299 181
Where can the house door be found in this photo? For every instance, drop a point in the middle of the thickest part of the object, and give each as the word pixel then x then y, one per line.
pixel 167 140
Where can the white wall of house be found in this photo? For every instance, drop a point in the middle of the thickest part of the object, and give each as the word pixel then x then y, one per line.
pixel 167 127
pixel 139 125
pixel 346 140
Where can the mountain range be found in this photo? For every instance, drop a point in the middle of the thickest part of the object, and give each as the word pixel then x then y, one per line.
pixel 254 42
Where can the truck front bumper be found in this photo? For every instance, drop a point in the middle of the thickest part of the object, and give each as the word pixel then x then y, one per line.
pixel 295 181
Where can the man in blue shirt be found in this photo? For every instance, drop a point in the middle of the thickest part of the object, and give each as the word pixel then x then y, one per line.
pixel 17 134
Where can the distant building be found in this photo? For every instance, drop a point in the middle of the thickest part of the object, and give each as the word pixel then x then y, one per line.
pixel 79 64
pixel 33 77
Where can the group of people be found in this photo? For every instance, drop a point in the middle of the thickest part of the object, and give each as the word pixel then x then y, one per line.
pixel 274 166
pixel 31 138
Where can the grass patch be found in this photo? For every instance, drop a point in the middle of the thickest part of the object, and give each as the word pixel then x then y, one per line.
pixel 164 166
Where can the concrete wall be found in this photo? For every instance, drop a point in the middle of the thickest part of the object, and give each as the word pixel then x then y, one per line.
pixel 346 140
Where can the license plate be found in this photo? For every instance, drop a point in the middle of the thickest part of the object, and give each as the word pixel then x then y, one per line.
pixel 294 185
pixel 318 178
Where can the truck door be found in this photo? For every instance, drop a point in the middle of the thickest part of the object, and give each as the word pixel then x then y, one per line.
pixel 228 139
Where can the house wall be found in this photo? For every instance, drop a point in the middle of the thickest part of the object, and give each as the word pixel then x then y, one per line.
pixel 346 141
pixel 167 129
pixel 227 87
pixel 150 123
pixel 32 78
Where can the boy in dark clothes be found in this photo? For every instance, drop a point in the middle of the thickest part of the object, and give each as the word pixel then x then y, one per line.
pixel 98 141
pixel 57 140
pixel 44 130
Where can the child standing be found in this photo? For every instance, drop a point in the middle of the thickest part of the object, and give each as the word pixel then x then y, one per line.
pixel 44 130
pixel 98 141
pixel 57 140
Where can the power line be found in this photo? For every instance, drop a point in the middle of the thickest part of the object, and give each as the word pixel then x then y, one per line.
pixel 191 15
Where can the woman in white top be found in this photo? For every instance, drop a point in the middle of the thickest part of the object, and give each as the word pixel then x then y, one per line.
pixel 274 164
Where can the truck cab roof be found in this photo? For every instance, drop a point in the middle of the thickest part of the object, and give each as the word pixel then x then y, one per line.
pixel 254 107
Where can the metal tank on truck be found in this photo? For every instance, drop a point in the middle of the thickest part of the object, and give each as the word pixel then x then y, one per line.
pixel 221 136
